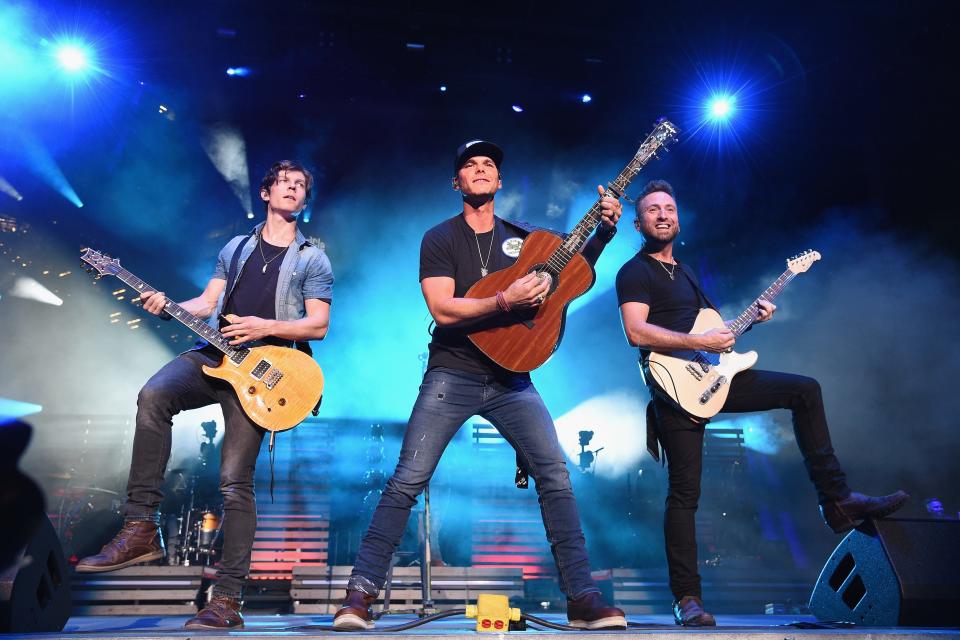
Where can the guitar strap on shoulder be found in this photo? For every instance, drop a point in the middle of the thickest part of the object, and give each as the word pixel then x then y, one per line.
pixel 232 272
pixel 693 281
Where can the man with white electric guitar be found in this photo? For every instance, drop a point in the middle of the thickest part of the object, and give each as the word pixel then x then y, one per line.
pixel 271 288
pixel 687 361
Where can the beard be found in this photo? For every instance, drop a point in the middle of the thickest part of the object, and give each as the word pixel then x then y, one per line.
pixel 661 237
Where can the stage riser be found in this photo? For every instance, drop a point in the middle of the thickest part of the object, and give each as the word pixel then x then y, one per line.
pixel 143 590
pixel 321 591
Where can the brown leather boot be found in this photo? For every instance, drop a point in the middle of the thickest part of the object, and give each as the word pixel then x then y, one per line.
pixel 844 515
pixel 688 611
pixel 222 612
pixel 591 612
pixel 137 542
pixel 354 613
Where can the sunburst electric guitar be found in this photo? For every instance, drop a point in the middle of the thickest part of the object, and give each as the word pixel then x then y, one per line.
pixel 277 386
pixel 523 339
pixel 699 381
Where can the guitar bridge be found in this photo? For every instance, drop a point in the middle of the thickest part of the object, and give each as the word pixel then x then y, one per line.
pixel 273 378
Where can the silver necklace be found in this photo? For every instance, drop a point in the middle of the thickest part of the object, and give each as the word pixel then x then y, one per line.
pixel 669 271
pixel 484 263
pixel 265 261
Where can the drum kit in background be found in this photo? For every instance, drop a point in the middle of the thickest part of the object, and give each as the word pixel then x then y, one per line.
pixel 88 516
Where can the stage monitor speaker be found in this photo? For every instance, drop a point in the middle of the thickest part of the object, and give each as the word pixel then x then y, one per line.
pixel 893 572
pixel 35 589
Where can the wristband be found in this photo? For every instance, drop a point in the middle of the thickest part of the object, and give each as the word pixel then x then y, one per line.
pixel 502 302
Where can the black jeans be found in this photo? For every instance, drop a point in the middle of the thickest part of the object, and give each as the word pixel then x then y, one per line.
pixel 179 386
pixel 682 441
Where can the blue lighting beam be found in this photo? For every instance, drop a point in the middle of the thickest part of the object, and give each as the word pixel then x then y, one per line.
pixel 10 409
pixel 41 162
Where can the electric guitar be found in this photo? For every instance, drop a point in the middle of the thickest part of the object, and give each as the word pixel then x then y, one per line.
pixel 277 386
pixel 524 339
pixel 699 381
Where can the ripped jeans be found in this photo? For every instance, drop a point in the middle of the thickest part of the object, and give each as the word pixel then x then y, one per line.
pixel 448 398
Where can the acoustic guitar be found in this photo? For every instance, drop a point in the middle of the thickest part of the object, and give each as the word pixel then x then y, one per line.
pixel 524 339
pixel 277 386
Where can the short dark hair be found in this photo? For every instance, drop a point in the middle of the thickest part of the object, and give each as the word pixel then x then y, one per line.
pixel 273 174
pixel 652 187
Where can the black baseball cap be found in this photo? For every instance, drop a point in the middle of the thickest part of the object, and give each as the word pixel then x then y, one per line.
pixel 477 148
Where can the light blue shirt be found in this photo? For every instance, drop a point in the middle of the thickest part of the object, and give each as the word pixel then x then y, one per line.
pixel 304 273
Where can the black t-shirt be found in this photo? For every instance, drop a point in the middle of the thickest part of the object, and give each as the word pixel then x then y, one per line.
pixel 674 304
pixel 255 293
pixel 450 249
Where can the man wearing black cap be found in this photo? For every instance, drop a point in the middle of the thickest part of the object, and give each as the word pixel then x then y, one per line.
pixel 461 382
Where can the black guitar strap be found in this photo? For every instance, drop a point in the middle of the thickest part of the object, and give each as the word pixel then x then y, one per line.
pixel 696 287
pixel 232 272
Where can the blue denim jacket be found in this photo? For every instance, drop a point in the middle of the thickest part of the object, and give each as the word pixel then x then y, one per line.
pixel 304 273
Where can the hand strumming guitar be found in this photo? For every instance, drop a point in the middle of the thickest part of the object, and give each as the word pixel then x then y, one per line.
pixel 717 340
pixel 529 291
pixel 247 328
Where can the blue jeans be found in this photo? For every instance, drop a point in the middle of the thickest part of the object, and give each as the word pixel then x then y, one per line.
pixel 179 386
pixel 448 398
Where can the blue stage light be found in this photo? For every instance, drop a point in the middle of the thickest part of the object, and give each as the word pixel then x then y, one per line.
pixel 585 98
pixel 721 107
pixel 72 57
pixel 517 108
pixel 10 409
pixel 239 72
pixel 443 88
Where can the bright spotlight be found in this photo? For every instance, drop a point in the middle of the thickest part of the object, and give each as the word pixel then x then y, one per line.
pixel 721 107
pixel 239 72
pixel 517 108
pixel 73 58
pixel 585 98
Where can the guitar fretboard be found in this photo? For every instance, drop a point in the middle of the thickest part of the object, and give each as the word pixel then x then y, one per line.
pixel 588 223
pixel 745 319
pixel 189 320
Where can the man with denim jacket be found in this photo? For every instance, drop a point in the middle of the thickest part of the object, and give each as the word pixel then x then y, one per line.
pixel 276 287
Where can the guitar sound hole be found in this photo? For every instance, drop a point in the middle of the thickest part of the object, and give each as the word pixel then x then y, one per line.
pixel 554 277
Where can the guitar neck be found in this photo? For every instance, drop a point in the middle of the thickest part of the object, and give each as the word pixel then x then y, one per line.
pixel 188 320
pixel 617 188
pixel 745 319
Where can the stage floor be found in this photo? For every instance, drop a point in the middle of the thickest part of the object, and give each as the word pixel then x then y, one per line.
pixel 732 627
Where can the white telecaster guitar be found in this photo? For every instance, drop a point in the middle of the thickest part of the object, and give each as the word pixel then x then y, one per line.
pixel 698 381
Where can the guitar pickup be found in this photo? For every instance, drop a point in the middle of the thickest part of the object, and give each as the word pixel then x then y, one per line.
pixel 722 380
pixel 273 378
pixel 694 371
pixel 262 367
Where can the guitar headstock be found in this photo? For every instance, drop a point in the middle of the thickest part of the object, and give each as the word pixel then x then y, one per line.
pixel 800 263
pixel 663 134
pixel 104 264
